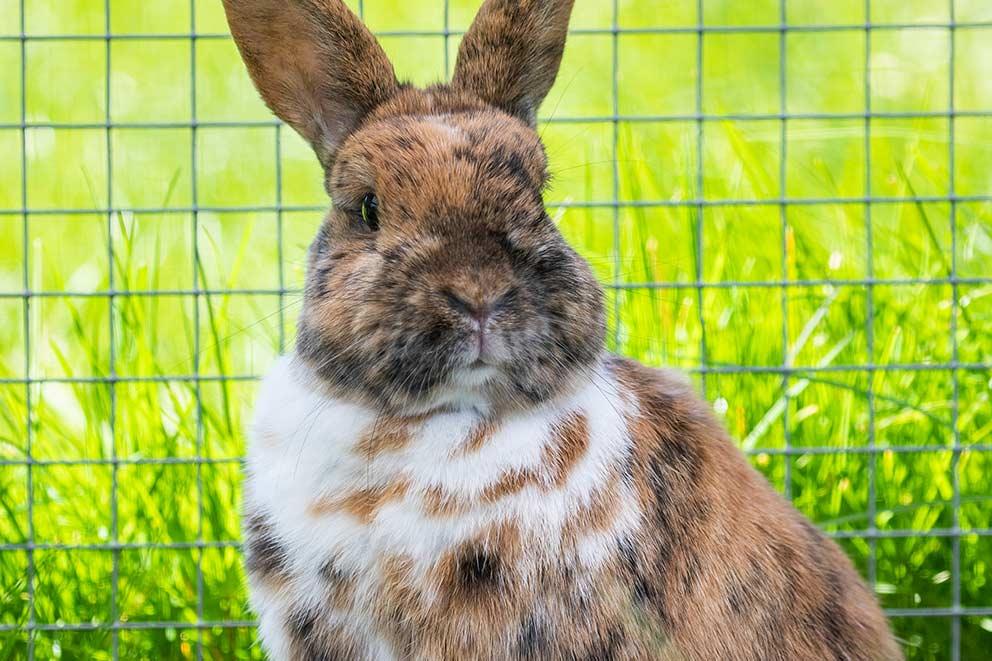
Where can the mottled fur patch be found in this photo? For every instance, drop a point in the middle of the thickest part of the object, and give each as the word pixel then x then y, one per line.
pixel 386 436
pixel 362 504
pixel 564 449
pixel 478 438
pixel 725 552
pixel 440 504
pixel 567 447
pixel 265 554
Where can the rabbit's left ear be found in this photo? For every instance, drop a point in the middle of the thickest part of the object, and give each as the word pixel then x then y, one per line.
pixel 511 54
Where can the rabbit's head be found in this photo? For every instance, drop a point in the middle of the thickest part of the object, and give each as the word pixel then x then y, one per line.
pixel 438 278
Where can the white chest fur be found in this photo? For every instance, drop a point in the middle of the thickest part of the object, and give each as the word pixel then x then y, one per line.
pixel 330 495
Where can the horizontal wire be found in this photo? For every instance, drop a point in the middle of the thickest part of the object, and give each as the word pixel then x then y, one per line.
pixel 604 204
pixel 841 450
pixel 816 282
pixel 939 612
pixel 712 369
pixel 235 544
pixel 123 461
pixel 141 293
pixel 608 31
pixel 119 378
pixel 792 451
pixel 716 284
pixel 579 119
pixel 910 534
pixel 133 626
pixel 248 624
pixel 124 546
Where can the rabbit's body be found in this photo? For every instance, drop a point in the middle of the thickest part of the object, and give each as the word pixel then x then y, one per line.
pixel 616 522
pixel 450 466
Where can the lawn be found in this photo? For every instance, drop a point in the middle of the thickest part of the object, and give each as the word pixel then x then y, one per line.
pixel 827 280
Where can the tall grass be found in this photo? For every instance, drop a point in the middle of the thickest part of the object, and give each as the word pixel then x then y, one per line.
pixel 226 337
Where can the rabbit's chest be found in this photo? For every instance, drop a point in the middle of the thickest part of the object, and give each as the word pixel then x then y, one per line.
pixel 351 514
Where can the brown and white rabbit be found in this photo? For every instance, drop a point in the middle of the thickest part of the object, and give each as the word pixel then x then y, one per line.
pixel 450 466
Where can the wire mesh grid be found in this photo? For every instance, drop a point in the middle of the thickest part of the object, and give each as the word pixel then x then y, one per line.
pixel 706 367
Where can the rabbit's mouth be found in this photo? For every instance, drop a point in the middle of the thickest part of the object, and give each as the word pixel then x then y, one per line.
pixel 481 364
pixel 475 375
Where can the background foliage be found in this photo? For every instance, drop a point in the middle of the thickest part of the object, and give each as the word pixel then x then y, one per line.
pixel 94 522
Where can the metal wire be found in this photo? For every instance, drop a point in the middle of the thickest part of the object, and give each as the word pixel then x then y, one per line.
pixel 26 281
pixel 597 204
pixel 697 120
pixel 955 401
pixel 115 553
pixel 194 189
pixel 870 308
pixel 783 173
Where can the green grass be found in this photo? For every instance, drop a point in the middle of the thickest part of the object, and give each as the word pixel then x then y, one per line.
pixel 239 334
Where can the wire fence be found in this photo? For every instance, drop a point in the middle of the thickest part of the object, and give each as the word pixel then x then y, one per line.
pixel 707 367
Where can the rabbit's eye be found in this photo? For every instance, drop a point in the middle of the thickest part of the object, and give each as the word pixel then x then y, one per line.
pixel 370 212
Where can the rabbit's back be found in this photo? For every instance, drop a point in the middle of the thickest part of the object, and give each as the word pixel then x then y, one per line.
pixel 600 526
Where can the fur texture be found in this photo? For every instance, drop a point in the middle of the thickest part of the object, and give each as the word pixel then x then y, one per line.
pixel 450 467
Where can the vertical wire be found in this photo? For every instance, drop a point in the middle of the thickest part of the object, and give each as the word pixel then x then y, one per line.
pixel 955 396
pixel 197 386
pixel 447 37
pixel 615 90
pixel 870 313
pixel 784 222
pixel 280 248
pixel 703 357
pixel 26 283
pixel 115 553
pixel 279 244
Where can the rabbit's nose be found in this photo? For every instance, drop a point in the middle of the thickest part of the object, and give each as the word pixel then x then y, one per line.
pixel 478 311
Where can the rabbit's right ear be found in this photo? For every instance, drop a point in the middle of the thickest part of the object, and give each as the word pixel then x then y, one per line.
pixel 315 64
pixel 510 56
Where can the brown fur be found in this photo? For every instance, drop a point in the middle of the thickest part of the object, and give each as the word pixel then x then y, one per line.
pixel 265 556
pixel 723 552
pixel 363 504
pixel 387 436
pixel 463 188
pixel 314 63
pixel 478 438
pixel 511 56
pixel 440 504
pixel 559 458
pixel 719 567
pixel 599 513
pixel 458 172
pixel 567 447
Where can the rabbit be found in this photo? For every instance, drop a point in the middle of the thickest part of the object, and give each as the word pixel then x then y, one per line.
pixel 450 465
